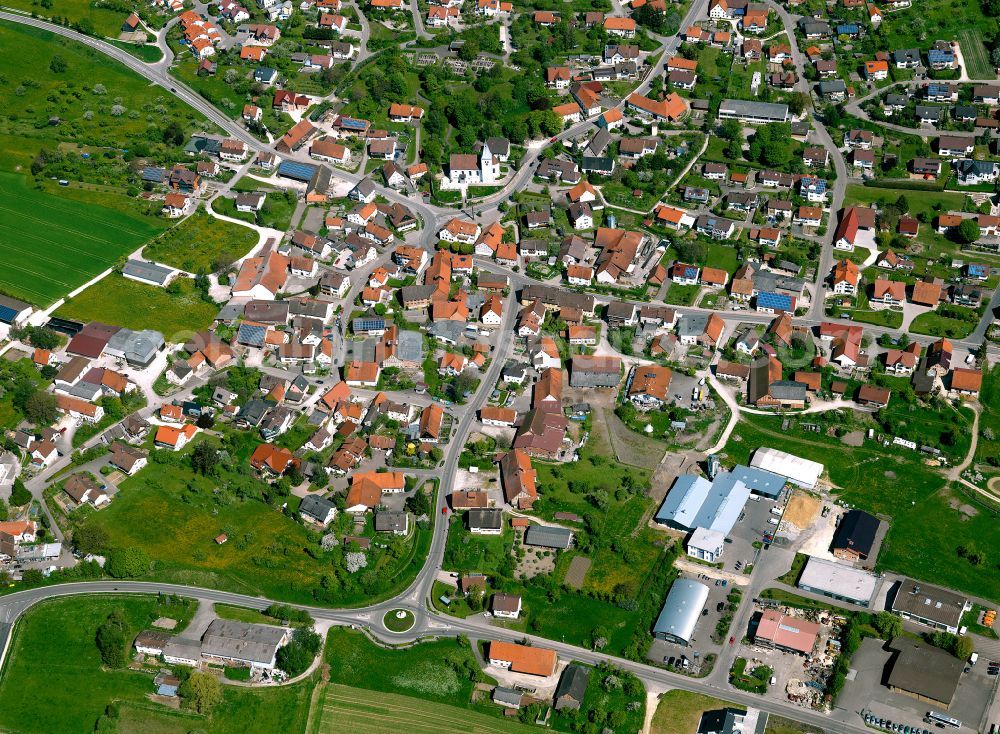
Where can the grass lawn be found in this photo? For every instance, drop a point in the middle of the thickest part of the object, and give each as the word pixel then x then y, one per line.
pixel 935 324
pixel 681 295
pixel 202 243
pixel 465 552
pixel 430 670
pixel 988 449
pixel 53 650
pixel 70 242
pixel 680 711
pixel 722 257
pixel 276 214
pixel 885 317
pixel 123 302
pixel 352 709
pixel 104 21
pixel 268 553
pixel 927 522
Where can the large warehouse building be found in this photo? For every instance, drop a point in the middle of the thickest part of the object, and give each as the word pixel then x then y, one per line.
pixel 838 581
pixel 803 472
pixel 926 673
pixel 681 611
pixel 695 502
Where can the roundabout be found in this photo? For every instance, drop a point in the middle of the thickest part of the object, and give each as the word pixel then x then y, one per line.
pixel 398 620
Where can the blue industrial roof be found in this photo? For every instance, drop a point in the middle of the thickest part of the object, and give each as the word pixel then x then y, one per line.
pixel 252 334
pixel 759 481
pixel 776 301
pixel 694 502
pixel 296 170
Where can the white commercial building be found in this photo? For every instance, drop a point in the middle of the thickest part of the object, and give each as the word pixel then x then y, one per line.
pixel 706 544
pixel 797 470
pixel 838 581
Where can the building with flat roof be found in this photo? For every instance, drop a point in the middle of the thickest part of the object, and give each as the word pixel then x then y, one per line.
pixel 926 673
pixel 838 581
pixel 930 605
pixel 681 611
pixel 705 544
pixel 803 472
pixel 694 502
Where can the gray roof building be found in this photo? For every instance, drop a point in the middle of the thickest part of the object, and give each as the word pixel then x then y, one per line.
pixel 146 272
pixel 253 644
pixel 924 672
pixel 485 520
pixel 544 536
pixel 681 611
pixel 572 687
pixel 739 109
pixel 929 605
pixel 392 521
pixel 139 348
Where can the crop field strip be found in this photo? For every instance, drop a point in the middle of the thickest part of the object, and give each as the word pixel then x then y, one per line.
pixel 44 242
pixel 372 712
pixel 977 59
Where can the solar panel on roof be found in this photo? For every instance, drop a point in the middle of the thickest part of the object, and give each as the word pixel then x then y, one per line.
pixel 252 334
pixel 7 314
pixel 368 324
pixel 298 171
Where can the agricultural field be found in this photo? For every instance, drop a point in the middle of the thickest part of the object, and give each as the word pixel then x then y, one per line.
pixel 123 302
pixel 931 519
pixel 977 58
pixel 53 650
pixel 355 710
pixel 69 242
pixel 202 244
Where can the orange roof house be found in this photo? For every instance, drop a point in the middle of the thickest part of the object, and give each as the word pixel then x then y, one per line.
pixel 522 658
